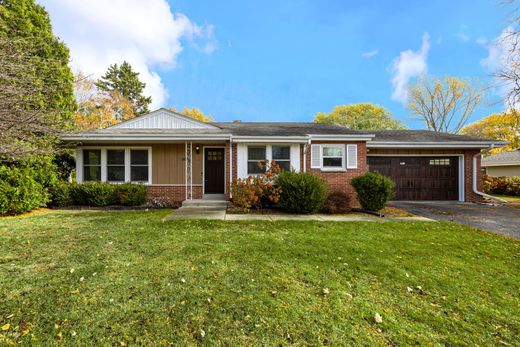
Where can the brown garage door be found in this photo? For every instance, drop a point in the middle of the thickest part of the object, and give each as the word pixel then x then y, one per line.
pixel 420 178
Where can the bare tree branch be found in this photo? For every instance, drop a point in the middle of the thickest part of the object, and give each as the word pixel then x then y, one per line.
pixel 444 105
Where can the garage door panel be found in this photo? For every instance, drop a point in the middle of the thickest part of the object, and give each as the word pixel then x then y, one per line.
pixel 420 178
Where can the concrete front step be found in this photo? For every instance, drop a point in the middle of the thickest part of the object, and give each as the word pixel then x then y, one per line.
pixel 204 203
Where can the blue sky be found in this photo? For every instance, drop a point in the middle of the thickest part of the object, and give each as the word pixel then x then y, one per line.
pixel 287 60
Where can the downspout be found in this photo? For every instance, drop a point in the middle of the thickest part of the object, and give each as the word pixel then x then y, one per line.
pixel 230 193
pixel 305 148
pixel 475 190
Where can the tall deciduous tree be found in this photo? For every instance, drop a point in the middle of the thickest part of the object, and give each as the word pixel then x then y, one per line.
pixel 124 80
pixel 509 73
pixel 194 113
pixel 365 116
pixel 98 109
pixel 504 127
pixel 444 105
pixel 36 84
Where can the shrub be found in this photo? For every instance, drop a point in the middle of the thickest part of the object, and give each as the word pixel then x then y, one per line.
pixel 373 190
pixel 20 191
pixel 301 192
pixel 257 191
pixel 502 185
pixel 60 194
pixel 94 194
pixel 131 194
pixel 337 202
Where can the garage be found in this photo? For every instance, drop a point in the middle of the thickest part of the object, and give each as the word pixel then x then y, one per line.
pixel 420 178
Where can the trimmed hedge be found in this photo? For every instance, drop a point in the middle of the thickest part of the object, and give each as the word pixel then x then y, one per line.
pixel 301 192
pixel 373 190
pixel 502 185
pixel 20 190
pixel 94 194
pixel 132 194
pixel 337 202
pixel 98 194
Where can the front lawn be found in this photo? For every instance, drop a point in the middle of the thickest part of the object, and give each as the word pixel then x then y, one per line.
pixel 116 278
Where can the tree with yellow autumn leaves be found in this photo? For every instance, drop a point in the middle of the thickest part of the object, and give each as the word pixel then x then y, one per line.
pixel 99 109
pixel 504 127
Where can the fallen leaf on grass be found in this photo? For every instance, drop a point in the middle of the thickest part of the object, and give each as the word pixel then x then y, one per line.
pixel 378 318
pixel 6 327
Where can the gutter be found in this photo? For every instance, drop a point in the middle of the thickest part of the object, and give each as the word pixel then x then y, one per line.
pixel 475 190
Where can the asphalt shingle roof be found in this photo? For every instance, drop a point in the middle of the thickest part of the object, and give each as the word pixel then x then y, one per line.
pixel 504 158
pixel 283 128
pixel 419 136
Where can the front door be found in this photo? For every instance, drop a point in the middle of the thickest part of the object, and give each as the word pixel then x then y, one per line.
pixel 214 170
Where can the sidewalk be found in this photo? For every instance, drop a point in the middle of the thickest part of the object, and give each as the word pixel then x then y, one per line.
pixel 219 213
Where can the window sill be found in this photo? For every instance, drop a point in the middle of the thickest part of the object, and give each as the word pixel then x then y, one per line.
pixel 333 170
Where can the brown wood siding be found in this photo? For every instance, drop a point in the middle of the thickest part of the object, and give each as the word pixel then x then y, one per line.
pixel 384 151
pixel 168 164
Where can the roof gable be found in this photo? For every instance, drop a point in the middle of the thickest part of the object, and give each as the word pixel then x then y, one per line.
pixel 163 119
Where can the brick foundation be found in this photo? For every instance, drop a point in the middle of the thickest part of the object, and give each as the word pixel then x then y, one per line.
pixel 175 194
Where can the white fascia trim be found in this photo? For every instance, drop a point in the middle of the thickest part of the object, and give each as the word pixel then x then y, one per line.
pixel 499 164
pixel 144 138
pixel 269 139
pixel 466 144
pixel 322 137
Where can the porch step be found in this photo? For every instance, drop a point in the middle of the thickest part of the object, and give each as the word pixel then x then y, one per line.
pixel 204 203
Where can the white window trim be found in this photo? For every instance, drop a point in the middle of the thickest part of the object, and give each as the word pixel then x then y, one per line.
pixel 333 168
pixel 79 162
pixel 269 155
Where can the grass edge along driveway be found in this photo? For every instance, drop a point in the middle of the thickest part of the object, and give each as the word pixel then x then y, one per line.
pixel 116 278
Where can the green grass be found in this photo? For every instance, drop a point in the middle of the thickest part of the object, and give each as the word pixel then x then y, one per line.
pixel 146 282
pixel 508 198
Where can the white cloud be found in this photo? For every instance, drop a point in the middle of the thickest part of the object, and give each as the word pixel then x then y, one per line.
pixel 370 54
pixel 498 57
pixel 481 41
pixel 407 65
pixel 147 34
pixel 463 37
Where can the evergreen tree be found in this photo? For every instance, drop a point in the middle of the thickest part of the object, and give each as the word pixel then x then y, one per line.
pixel 36 84
pixel 124 80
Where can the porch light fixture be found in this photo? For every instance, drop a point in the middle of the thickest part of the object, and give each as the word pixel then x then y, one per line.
pixel 197 149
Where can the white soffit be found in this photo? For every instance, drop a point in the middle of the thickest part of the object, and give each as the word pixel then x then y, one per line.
pixel 163 119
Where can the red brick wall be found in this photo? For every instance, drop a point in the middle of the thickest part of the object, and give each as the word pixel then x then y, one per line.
pixel 468 176
pixel 173 193
pixel 340 180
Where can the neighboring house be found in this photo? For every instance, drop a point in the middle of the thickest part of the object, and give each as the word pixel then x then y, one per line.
pixel 179 158
pixel 505 164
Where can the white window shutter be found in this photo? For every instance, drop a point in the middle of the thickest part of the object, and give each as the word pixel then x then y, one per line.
pixel 315 156
pixel 351 156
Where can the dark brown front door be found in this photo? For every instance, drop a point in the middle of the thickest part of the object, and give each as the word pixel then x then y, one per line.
pixel 420 178
pixel 214 170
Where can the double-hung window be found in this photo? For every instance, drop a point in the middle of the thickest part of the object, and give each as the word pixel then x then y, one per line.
pixel 333 156
pixel 282 156
pixel 139 165
pixel 116 165
pixel 256 155
pixel 92 165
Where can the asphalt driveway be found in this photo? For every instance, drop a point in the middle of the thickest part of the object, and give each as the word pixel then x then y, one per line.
pixel 503 219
